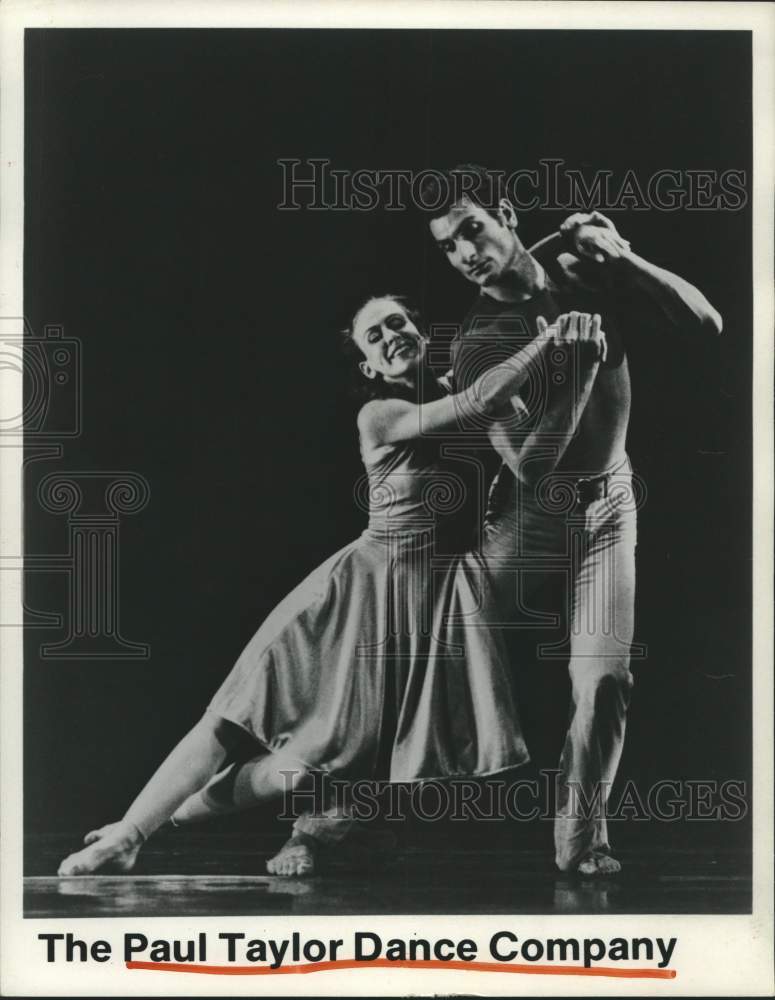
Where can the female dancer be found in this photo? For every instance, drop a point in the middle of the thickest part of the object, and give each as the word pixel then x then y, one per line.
pixel 310 686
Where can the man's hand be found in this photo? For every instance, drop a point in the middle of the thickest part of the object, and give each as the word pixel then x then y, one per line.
pixel 592 235
pixel 574 328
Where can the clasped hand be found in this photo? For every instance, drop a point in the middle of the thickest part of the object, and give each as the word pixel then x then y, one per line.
pixel 576 329
pixel 592 235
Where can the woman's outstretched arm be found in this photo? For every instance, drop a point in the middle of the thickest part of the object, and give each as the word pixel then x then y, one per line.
pixel 383 421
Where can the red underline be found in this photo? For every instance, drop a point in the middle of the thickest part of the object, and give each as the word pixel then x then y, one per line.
pixel 386 963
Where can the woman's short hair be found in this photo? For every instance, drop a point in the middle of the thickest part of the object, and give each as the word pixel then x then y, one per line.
pixel 372 388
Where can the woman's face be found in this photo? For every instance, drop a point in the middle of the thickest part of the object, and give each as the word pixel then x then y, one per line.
pixel 391 344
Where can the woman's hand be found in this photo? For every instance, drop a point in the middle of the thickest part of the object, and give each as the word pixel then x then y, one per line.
pixel 578 329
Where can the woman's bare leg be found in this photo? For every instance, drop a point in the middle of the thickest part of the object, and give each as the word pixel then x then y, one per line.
pixel 241 786
pixel 247 783
pixel 211 801
pixel 244 785
pixel 192 762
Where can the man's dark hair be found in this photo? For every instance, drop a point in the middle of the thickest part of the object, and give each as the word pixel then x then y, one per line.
pixel 444 188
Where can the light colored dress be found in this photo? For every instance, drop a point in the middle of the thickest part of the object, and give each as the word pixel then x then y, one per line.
pixel 384 662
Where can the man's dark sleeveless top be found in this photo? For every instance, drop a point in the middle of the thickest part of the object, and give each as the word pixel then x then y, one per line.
pixel 493 331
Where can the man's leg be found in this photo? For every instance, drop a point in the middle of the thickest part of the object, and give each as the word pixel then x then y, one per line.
pixel 602 619
pixel 522 543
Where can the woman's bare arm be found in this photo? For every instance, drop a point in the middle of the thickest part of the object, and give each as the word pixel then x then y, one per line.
pixel 384 421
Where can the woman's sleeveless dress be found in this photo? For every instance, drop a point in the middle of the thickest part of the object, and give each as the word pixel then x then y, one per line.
pixel 385 661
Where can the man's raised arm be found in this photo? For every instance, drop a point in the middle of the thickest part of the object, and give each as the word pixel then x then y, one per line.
pixel 594 237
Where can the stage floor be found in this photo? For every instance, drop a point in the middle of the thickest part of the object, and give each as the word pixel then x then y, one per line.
pixel 190 874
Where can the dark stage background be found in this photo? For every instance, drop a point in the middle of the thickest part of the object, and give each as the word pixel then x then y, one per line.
pixel 209 323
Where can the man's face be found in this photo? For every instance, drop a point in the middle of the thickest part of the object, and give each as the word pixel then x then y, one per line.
pixel 477 244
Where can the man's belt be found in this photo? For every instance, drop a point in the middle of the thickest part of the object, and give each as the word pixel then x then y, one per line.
pixel 588 489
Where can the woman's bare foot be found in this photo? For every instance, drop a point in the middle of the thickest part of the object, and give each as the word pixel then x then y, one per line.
pixel 114 846
pixel 597 864
pixel 297 856
pixel 94 835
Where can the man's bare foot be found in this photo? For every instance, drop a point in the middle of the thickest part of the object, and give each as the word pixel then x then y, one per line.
pixel 114 847
pixel 297 856
pixel 597 864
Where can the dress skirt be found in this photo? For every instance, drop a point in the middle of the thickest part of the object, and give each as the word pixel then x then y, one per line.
pixel 385 645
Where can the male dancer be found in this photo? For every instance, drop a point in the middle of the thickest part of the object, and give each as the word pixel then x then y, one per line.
pixel 594 539
pixel 581 518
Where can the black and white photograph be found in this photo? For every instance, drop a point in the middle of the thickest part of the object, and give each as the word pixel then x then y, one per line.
pixel 388 467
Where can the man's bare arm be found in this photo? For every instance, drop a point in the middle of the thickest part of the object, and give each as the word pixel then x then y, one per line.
pixel 593 236
pixel 681 302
